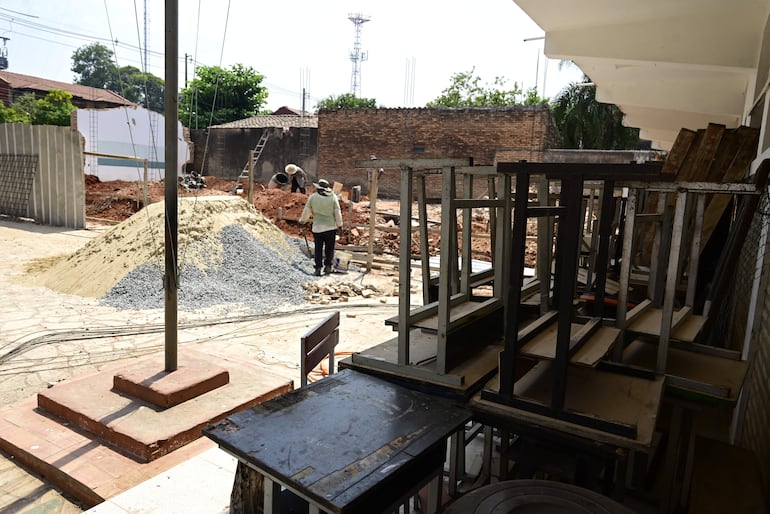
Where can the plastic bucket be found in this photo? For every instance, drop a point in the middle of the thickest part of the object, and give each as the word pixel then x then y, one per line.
pixel 342 260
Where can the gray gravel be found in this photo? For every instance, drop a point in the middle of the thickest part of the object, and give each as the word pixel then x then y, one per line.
pixel 252 274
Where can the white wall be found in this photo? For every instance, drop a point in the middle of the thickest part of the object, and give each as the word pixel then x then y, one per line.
pixel 127 131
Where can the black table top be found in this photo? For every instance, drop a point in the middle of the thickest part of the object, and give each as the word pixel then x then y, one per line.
pixel 341 439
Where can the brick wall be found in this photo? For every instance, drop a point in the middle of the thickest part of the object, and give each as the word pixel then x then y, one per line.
pixel 488 135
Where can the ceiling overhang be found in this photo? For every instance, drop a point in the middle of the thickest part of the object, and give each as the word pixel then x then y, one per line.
pixel 667 65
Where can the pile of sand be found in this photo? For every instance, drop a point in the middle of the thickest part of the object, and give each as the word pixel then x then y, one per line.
pixel 97 267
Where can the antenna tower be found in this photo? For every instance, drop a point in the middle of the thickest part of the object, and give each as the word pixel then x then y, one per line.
pixel 357 56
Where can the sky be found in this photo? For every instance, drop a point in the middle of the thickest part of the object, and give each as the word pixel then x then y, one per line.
pixel 412 48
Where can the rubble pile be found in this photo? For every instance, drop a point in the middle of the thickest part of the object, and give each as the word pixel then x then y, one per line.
pixel 324 293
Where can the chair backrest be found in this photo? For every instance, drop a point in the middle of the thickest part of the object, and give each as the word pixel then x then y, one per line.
pixel 317 344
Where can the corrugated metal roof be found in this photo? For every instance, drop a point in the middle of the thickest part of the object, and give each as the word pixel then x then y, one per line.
pixel 270 121
pixel 18 81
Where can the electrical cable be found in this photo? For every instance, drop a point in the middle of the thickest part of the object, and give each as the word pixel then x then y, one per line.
pixel 68 335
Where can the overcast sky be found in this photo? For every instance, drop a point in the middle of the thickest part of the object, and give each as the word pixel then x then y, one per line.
pixel 412 47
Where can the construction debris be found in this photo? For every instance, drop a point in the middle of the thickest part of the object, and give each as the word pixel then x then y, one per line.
pixel 332 292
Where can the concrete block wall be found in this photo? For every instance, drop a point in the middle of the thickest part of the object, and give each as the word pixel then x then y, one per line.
pixel 223 152
pixel 488 135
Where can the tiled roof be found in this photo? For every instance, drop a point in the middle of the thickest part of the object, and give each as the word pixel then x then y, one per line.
pixel 270 121
pixel 18 81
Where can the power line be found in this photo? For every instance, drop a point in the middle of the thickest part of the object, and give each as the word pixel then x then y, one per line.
pixel 135 51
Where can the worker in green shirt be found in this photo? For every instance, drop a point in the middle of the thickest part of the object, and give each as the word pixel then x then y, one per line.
pixel 324 208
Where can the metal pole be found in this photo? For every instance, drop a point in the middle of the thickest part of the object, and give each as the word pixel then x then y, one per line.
pixel 145 192
pixel 250 189
pixel 171 100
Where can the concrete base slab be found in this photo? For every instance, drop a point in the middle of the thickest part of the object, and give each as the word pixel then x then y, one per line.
pixel 141 429
pixel 135 439
pixel 147 380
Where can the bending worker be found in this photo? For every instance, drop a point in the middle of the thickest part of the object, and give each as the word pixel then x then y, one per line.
pixel 324 207
pixel 298 178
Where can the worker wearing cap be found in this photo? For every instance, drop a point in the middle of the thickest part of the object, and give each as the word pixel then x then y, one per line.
pixel 324 207
pixel 298 178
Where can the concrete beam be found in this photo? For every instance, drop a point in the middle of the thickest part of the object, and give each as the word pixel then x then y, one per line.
pixel 710 41
pixel 675 89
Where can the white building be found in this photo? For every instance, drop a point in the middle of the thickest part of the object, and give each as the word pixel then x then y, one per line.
pixel 121 132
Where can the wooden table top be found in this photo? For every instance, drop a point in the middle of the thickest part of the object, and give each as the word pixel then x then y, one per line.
pixel 338 441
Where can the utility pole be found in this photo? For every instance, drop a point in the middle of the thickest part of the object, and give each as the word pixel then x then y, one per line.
pixel 357 56
pixel 171 113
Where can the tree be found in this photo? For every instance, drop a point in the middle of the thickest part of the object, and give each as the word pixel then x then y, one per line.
pixel 346 101
pixel 141 88
pixel 466 91
pixel 95 66
pixel 217 95
pixel 585 123
pixel 11 115
pixel 25 107
pixel 53 109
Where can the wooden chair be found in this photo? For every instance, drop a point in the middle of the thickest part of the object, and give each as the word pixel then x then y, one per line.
pixel 317 343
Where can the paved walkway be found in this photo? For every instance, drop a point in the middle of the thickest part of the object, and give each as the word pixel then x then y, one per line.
pixel 47 337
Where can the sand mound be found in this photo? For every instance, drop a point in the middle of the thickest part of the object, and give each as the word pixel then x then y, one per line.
pixel 97 267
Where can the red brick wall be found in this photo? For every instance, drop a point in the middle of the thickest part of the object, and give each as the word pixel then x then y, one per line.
pixel 488 135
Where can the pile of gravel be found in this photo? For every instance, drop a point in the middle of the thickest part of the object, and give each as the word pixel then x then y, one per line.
pixel 247 272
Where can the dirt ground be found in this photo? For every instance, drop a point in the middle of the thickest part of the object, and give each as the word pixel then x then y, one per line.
pixel 115 201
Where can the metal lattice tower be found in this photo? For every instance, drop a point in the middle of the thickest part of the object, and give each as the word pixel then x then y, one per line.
pixel 357 56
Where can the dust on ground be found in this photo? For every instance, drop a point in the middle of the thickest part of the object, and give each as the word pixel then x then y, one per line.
pixel 116 201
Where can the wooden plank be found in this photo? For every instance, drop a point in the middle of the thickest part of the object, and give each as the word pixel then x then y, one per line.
pixel 597 347
pixel 689 329
pixel 543 345
pixel 696 168
pixel 683 329
pixel 461 315
pixel 611 396
pixel 637 311
pixel 725 155
pixel 469 373
pixel 678 152
pixel 717 204
pixel 676 166
pixel 720 372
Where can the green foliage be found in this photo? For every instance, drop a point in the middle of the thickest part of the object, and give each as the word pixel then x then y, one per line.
pixel 533 98
pixel 141 88
pixel 95 66
pixel 53 109
pixel 25 107
pixel 218 95
pixel 346 101
pixel 585 123
pixel 466 90
pixel 11 115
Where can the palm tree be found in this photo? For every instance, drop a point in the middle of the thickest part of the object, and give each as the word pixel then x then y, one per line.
pixel 585 123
